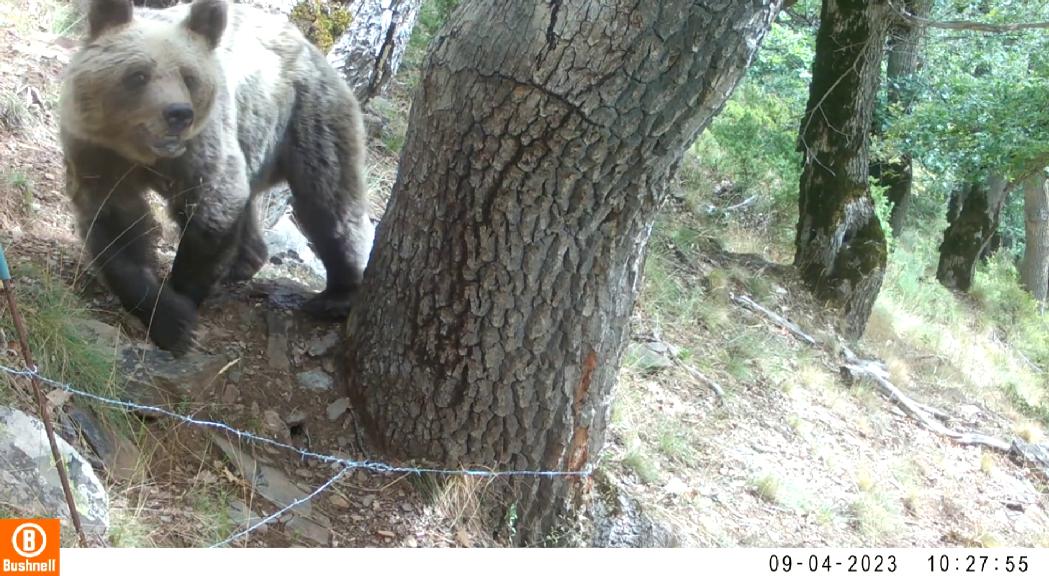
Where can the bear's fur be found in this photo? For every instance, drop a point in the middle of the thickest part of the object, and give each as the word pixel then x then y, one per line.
pixel 208 104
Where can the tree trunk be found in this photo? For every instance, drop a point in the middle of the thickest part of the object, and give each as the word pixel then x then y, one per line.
pixel 978 206
pixel 494 310
pixel 904 55
pixel 1034 272
pixel 370 51
pixel 841 250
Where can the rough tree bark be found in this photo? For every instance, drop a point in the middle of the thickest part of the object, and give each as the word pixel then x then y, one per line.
pixel 977 207
pixel 370 51
pixel 904 56
pixel 841 252
pixel 1034 271
pixel 494 310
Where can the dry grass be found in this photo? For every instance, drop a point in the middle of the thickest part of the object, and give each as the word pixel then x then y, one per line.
pixel 795 454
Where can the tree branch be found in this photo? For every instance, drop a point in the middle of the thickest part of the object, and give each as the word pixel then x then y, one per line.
pixel 967 24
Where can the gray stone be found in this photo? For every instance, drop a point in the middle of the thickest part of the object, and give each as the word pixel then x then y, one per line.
pixel 296 417
pixel 320 345
pixel 277 324
pixel 120 456
pixel 155 377
pixel 274 425
pixel 29 481
pixel 315 529
pixel 338 501
pixel 243 517
pixel 280 490
pixel 266 479
pixel 649 356
pixel 338 408
pixel 315 379
pixel 103 334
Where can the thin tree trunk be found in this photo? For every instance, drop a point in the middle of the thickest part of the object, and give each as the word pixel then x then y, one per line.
pixel 978 206
pixel 1034 272
pixel 494 310
pixel 904 57
pixel 370 51
pixel 841 250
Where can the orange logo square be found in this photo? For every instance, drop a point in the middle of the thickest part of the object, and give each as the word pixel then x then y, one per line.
pixel 30 546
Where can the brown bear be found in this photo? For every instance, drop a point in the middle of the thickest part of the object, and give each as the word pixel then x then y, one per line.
pixel 207 105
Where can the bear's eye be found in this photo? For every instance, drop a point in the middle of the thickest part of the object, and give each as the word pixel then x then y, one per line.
pixel 190 80
pixel 136 79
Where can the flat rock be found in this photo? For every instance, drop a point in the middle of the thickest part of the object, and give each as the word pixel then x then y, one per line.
pixel 338 408
pixel 275 486
pixel 273 424
pixel 104 335
pixel 316 379
pixel 155 377
pixel 322 344
pixel 29 480
pixel 649 356
pixel 315 529
pixel 266 479
pixel 120 456
pixel 243 517
pixel 296 417
pixel 277 325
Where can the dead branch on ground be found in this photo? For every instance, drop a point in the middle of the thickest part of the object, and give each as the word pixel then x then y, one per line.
pixel 854 368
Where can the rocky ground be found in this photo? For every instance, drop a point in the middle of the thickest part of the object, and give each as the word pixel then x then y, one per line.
pixel 261 367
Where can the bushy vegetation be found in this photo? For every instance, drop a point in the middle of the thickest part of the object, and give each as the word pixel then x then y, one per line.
pixel 982 102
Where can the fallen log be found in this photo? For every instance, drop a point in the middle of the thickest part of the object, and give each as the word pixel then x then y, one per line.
pixel 854 368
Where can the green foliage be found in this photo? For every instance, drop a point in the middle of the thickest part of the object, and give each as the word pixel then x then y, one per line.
pixel 883 209
pixel 432 16
pixel 982 99
pixel 1010 309
pixel 754 137
pixel 755 133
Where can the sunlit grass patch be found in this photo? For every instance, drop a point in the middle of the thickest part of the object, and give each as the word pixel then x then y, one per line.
pixel 642 464
pixel 52 313
pixel 767 487
pixel 128 529
pixel 876 516
pixel 675 440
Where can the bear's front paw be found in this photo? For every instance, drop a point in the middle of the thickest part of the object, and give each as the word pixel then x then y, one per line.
pixel 330 304
pixel 172 325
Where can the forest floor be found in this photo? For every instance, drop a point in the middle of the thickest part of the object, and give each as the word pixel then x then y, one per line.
pixel 790 455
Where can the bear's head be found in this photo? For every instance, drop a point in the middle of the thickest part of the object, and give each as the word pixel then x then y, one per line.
pixel 144 85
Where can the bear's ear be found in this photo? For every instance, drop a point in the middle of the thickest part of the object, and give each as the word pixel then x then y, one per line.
pixel 105 14
pixel 208 18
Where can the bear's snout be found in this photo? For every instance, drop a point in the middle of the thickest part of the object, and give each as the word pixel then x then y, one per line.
pixel 178 117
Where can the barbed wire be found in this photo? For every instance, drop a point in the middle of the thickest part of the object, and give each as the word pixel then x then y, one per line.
pixel 347 464
pixel 287 508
